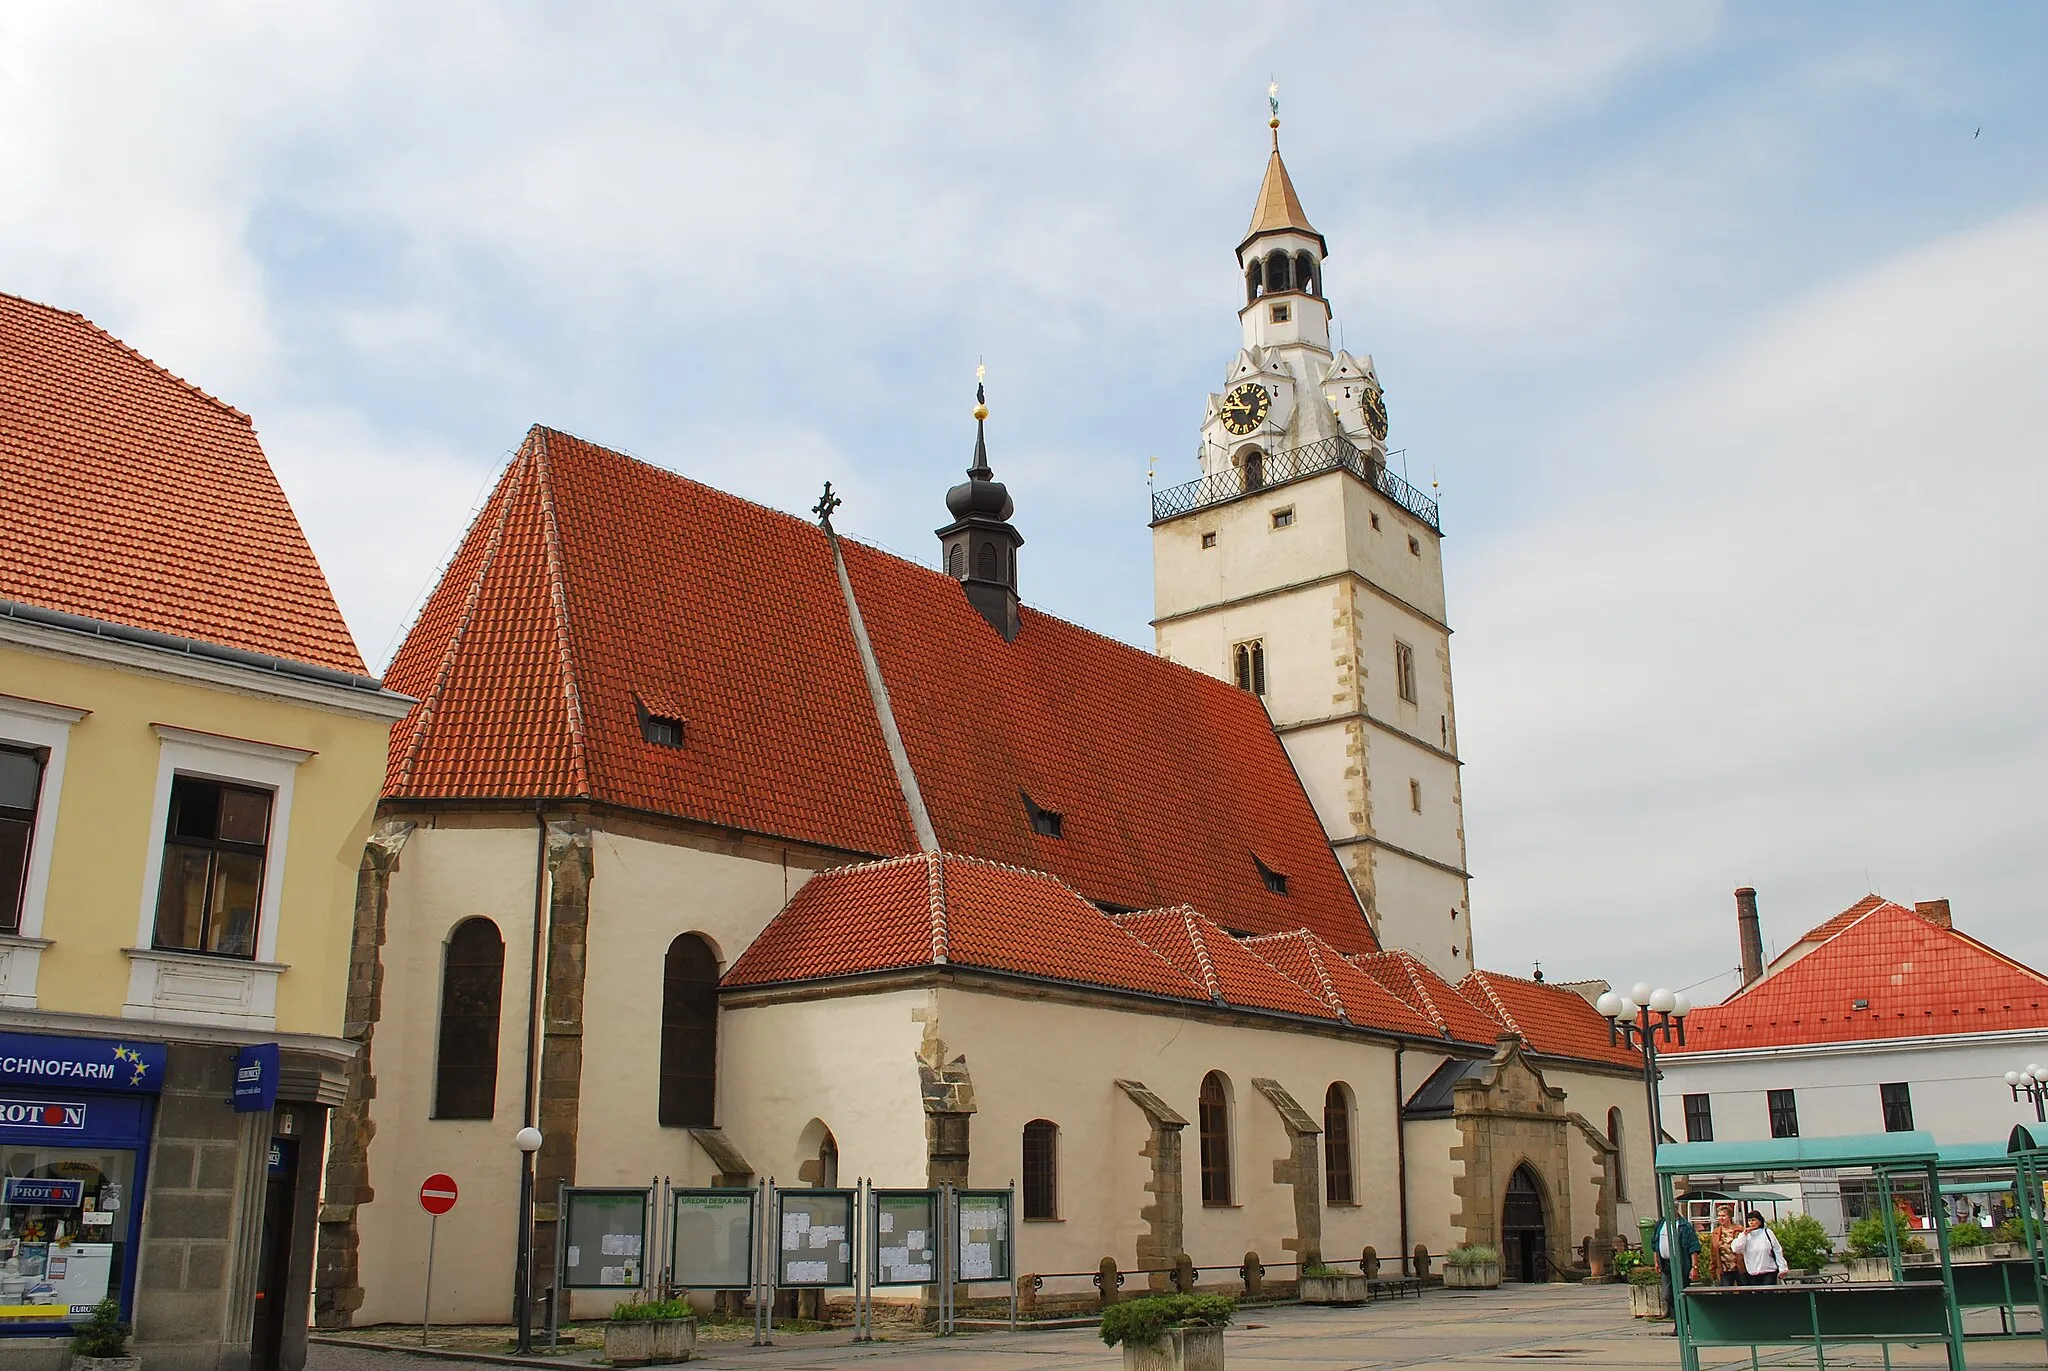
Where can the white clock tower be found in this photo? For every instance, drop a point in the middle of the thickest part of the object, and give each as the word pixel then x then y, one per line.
pixel 1300 568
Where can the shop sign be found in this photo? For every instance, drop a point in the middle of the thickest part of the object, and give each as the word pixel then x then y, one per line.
pixel 256 1078
pixel 43 1115
pixel 90 1063
pixel 52 1194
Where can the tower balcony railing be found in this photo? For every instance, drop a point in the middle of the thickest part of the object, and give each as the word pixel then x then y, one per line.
pixel 1279 468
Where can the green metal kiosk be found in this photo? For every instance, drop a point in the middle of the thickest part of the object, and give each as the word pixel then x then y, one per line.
pixel 1816 1316
pixel 2009 1285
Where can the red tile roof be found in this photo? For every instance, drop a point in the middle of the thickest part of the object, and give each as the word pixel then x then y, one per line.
pixel 945 910
pixel 1411 980
pixel 1553 1021
pixel 591 577
pixel 1320 969
pixel 130 496
pixel 1222 965
pixel 1917 978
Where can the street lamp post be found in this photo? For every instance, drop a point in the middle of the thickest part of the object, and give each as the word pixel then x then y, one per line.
pixel 528 1141
pixel 1638 1021
pixel 2033 1084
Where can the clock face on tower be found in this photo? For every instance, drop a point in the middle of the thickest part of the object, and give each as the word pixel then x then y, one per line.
pixel 1376 412
pixel 1244 408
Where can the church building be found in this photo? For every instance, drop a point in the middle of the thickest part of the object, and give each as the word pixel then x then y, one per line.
pixel 720 846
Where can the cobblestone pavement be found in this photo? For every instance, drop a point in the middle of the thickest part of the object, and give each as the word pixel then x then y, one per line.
pixel 1554 1325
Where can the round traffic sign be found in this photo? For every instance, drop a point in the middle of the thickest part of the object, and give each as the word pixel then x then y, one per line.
pixel 437 1193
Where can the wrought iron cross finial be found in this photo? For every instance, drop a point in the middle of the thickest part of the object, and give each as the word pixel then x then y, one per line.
pixel 826 504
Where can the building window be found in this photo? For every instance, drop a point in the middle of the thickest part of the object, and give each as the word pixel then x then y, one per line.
pixel 1271 879
pixel 1897 1099
pixel 1404 671
pixel 663 730
pixel 1214 1123
pixel 986 567
pixel 214 847
pixel 466 1059
pixel 1283 518
pixel 689 1034
pixel 1208 540
pixel 1620 1153
pixel 1248 660
pixel 1044 821
pixel 1279 313
pixel 956 561
pixel 1699 1119
pixel 1337 1186
pixel 1041 1169
pixel 21 783
pixel 1415 794
pixel 1784 1114
pixel 1414 546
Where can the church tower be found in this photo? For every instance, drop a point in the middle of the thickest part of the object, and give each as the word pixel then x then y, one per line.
pixel 1298 567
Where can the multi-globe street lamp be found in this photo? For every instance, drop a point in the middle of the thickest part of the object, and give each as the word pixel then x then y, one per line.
pixel 2031 1083
pixel 1638 1021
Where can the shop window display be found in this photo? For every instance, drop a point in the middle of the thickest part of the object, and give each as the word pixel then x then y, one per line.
pixel 64 1229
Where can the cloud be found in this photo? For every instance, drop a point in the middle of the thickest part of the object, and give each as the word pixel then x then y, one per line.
pixel 1790 638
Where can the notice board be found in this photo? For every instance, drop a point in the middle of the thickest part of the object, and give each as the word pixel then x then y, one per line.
pixel 814 1237
pixel 984 1223
pixel 711 1243
pixel 904 1247
pixel 604 1238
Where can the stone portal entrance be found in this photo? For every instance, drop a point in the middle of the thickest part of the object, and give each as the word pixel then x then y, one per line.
pixel 1523 1241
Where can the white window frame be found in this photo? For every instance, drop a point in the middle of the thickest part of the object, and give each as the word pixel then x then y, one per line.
pixel 47 727
pixel 194 987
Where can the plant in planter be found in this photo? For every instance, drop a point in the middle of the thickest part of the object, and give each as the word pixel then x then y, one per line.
pixel 1806 1243
pixel 1473 1267
pixel 1327 1285
pixel 100 1342
pixel 1169 1332
pixel 1969 1238
pixel 1627 1261
pixel 1869 1254
pixel 650 1332
pixel 1646 1295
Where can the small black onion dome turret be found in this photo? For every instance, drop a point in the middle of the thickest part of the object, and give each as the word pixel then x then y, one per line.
pixel 980 493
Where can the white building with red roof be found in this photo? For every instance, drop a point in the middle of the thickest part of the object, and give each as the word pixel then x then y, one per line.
pixel 1885 1017
pixel 721 847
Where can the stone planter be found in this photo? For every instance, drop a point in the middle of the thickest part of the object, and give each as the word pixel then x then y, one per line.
pixel 1483 1276
pixel 1178 1349
pixel 1862 1269
pixel 1338 1289
pixel 79 1363
pixel 2001 1251
pixel 1648 1301
pixel 649 1342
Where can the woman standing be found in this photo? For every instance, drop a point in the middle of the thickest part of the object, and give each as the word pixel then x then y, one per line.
pixel 1762 1257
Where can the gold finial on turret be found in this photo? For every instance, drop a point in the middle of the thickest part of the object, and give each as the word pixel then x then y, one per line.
pixel 1273 99
pixel 980 394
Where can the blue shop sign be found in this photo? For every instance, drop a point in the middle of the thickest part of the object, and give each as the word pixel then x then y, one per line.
pixel 83 1063
pixel 256 1078
pixel 53 1194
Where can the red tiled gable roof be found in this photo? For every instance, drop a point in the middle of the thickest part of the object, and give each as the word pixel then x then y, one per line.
pixel 1412 981
pixel 1321 970
pixel 591 578
pixel 1209 956
pixel 1169 782
pixel 130 496
pixel 941 909
pixel 1553 1021
pixel 1918 978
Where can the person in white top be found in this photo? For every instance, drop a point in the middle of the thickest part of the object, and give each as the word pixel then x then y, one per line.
pixel 1762 1256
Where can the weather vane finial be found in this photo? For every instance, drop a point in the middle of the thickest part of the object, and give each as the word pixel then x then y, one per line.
pixel 826 504
pixel 980 391
pixel 1273 100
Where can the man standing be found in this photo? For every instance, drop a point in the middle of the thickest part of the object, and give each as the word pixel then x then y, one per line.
pixel 1677 1247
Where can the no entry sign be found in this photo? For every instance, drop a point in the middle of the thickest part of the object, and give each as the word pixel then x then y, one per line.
pixel 437 1194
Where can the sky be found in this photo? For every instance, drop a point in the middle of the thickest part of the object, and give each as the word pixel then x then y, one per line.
pixel 1719 329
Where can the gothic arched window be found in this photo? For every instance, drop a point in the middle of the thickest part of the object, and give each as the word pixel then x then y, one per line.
pixel 1276 270
pixel 1041 1169
pixel 1254 281
pixel 1337 1185
pixel 1213 1120
pixel 689 1034
pixel 956 561
pixel 1305 272
pixel 987 567
pixel 466 1056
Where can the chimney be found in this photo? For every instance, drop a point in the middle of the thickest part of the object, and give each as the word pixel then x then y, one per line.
pixel 1751 934
pixel 1935 912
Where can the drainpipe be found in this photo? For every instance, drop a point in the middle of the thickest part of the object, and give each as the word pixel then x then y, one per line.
pixel 1401 1154
pixel 522 1277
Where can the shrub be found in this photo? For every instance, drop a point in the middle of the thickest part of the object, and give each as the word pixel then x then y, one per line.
pixel 1866 1237
pixel 2012 1230
pixel 1643 1273
pixel 652 1309
pixel 1627 1261
pixel 102 1334
pixel 1806 1243
pixel 1478 1254
pixel 1143 1320
pixel 1321 1272
pixel 1966 1235
pixel 1914 1245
